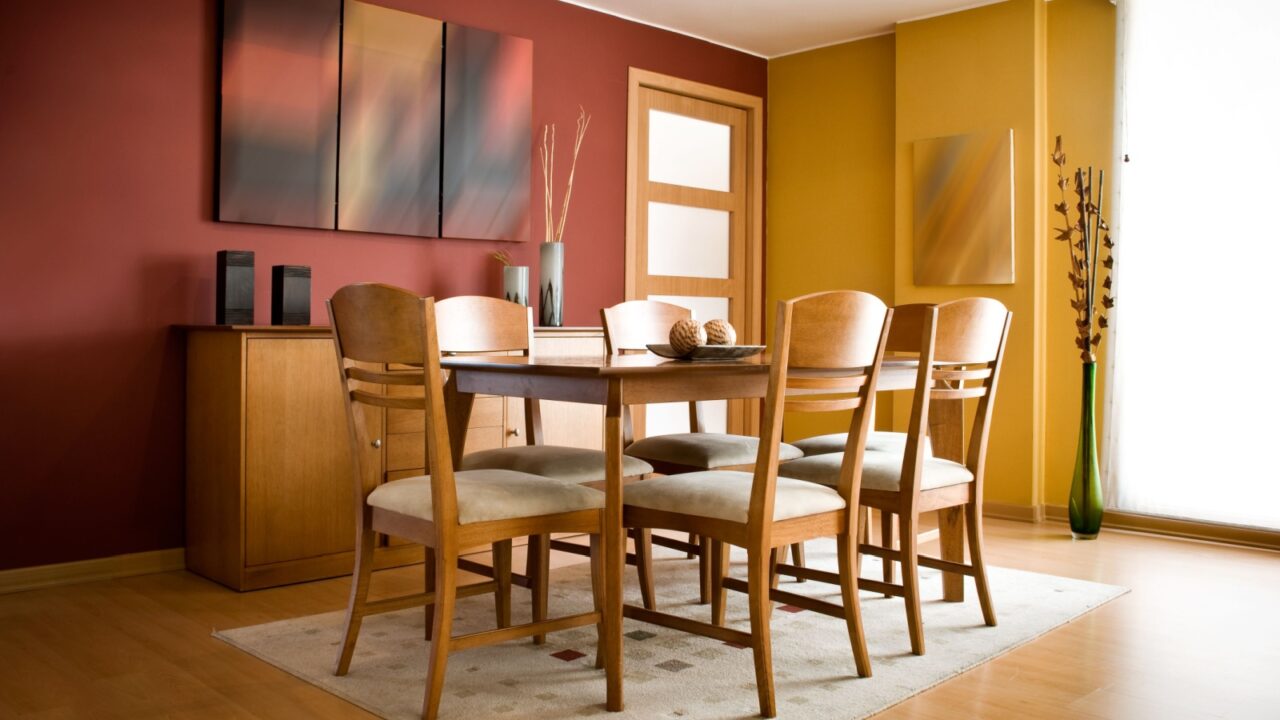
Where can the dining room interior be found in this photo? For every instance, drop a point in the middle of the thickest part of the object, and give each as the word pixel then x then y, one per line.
pixel 638 358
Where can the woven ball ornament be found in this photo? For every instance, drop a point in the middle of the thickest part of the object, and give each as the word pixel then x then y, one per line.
pixel 686 335
pixel 720 332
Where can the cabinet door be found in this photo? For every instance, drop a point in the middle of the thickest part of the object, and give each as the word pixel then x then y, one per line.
pixel 298 493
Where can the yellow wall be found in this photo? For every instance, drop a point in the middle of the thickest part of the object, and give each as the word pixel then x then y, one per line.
pixel 969 71
pixel 841 123
pixel 1081 64
pixel 829 199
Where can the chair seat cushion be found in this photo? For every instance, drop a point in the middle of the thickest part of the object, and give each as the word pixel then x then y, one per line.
pixel 880 471
pixel 705 450
pixel 876 440
pixel 569 464
pixel 726 495
pixel 485 495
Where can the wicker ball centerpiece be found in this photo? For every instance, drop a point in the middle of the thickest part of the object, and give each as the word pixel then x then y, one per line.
pixel 686 335
pixel 720 332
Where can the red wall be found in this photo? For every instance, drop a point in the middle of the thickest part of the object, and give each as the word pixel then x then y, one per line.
pixel 106 169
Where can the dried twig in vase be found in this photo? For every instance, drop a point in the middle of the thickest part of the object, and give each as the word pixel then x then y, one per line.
pixel 553 230
pixel 1087 237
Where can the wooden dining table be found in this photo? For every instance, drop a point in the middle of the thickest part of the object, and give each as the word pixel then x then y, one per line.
pixel 622 380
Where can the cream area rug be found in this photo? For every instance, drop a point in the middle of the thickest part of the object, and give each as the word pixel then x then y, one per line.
pixel 670 674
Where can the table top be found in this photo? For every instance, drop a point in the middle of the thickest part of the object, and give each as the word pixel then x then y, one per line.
pixel 621 365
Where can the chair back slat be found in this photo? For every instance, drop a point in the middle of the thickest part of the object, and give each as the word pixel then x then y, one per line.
pixel 632 325
pixel 478 324
pixel 969 330
pixel 957 393
pixel 382 326
pixel 826 357
pixel 951 374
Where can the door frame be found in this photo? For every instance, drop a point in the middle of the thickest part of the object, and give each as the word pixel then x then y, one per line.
pixel 754 107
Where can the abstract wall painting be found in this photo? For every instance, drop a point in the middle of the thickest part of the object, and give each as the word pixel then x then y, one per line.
pixel 279 112
pixel 963 209
pixel 488 104
pixel 389 168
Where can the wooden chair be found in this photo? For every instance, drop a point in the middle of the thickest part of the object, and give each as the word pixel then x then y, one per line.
pixel 630 327
pixel 826 357
pixel 378 328
pixel 961 346
pixel 472 324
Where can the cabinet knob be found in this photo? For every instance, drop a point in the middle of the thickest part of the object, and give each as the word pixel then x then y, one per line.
pixel 514 432
pixel 377 444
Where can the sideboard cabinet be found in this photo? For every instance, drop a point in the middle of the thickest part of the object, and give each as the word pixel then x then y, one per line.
pixel 268 456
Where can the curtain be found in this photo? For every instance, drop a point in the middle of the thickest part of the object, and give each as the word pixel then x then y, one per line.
pixel 1193 394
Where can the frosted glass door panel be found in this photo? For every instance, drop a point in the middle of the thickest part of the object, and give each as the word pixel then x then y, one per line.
pixel 704 308
pixel 688 241
pixel 688 151
pixel 670 418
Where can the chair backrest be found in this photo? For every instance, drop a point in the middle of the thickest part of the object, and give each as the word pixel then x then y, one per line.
pixel 479 324
pixel 961 347
pixel 629 327
pixel 376 327
pixel 826 357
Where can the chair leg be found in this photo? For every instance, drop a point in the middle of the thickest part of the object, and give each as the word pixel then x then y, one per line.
pixel 693 540
pixel 850 567
pixel 502 574
pixel 776 555
pixel 597 594
pixel 429 585
pixel 644 565
pixel 704 570
pixel 442 631
pixel 973 521
pixel 886 519
pixel 359 593
pixel 719 570
pixel 758 571
pixel 797 557
pixel 864 524
pixel 911 580
pixel 538 568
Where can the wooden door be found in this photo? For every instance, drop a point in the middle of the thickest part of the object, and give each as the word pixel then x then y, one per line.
pixel 693 230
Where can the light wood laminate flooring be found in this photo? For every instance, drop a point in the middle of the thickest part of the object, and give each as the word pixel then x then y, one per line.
pixel 1199 637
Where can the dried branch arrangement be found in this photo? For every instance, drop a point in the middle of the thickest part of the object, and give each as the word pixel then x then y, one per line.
pixel 1088 238
pixel 503 257
pixel 555 230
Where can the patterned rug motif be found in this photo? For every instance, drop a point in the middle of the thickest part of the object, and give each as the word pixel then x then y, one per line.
pixel 669 674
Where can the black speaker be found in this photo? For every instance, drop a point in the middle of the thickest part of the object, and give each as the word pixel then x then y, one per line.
pixel 234 304
pixel 290 295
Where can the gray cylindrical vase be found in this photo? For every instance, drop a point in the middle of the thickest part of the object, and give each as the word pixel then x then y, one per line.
pixel 551 302
pixel 515 284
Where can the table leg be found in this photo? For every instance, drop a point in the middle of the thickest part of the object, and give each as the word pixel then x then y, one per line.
pixel 457 407
pixel 614 547
pixel 946 433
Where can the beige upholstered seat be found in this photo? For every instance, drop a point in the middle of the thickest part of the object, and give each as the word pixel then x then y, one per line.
pixel 880 470
pixel 705 450
pixel 485 495
pixel 568 464
pixel 726 495
pixel 876 440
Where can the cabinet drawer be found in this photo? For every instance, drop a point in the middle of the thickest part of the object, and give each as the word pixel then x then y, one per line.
pixel 485 411
pixel 406 450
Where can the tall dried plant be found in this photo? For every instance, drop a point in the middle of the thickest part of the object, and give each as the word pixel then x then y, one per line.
pixel 555 230
pixel 1087 238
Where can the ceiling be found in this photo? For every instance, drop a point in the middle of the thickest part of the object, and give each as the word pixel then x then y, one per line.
pixel 770 28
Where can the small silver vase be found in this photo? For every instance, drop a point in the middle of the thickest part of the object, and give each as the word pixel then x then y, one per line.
pixel 515 284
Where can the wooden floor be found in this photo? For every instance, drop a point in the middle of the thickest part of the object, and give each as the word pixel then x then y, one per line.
pixel 1199 637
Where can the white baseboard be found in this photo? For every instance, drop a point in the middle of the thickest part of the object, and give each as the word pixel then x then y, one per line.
pixel 42 576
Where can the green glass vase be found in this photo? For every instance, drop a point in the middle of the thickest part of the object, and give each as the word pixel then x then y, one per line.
pixel 1085 507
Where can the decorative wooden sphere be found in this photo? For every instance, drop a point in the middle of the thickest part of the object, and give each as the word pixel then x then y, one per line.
pixel 686 335
pixel 720 332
